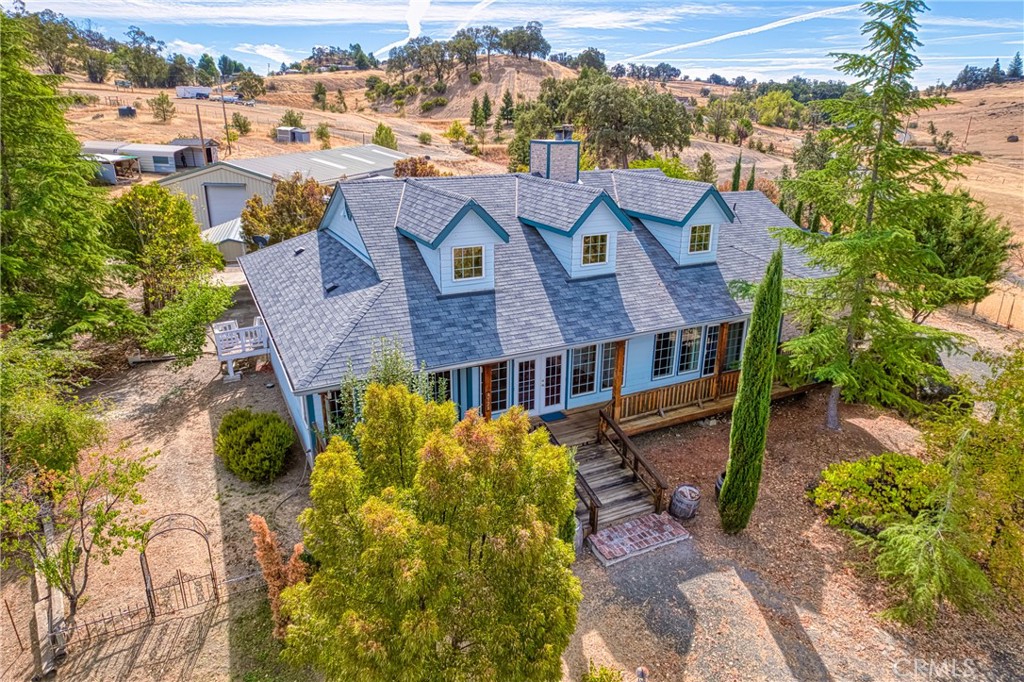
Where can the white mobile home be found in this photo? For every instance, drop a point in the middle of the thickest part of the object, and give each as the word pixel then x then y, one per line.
pixel 157 158
pixel 218 192
pixel 192 91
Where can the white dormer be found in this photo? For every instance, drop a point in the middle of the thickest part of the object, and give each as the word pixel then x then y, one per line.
pixel 590 250
pixel 455 236
pixel 695 242
pixel 339 223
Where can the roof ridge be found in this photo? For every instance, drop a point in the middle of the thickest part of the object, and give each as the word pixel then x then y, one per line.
pixel 589 189
pixel 659 178
pixel 398 206
pixel 444 192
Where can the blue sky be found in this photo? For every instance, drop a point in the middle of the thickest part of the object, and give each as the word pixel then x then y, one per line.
pixel 760 39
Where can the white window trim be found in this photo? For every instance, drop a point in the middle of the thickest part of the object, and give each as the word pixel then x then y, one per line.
pixel 597 369
pixel 689 240
pixel 583 249
pixel 483 263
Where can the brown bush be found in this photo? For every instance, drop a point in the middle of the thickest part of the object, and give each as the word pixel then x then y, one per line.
pixel 276 572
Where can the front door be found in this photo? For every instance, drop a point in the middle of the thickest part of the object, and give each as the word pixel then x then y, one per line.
pixel 539 385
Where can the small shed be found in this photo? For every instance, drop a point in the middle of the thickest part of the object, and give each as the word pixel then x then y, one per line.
pixel 228 238
pixel 198 154
pixel 292 134
pixel 115 169
pixel 157 158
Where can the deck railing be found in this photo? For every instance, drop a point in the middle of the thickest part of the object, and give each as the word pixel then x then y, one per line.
pixel 684 394
pixel 583 491
pixel 632 459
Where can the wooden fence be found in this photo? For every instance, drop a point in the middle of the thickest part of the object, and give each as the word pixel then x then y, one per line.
pixel 1004 307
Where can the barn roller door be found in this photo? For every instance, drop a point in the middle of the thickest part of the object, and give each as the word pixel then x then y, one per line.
pixel 224 202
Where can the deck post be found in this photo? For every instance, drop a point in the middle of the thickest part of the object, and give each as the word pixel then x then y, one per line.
pixel 620 364
pixel 485 394
pixel 723 333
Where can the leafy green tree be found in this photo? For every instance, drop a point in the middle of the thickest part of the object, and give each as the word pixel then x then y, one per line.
pixel 291 119
pixel 206 70
pixel 742 130
pixel 737 170
pixel 384 136
pixel 52 38
pixel 91 511
pixel 96 64
pixel 508 107
pixel 456 131
pixel 469 516
pixel 249 85
pixel 241 123
pixel 297 208
pixel 141 59
pixel 706 170
pixel 162 107
pixel 871 192
pixel 179 327
pixel 672 167
pixel 531 122
pixel 157 236
pixel 752 409
pixel 716 119
pixel 42 424
pixel 813 153
pixel 180 71
pixel 323 134
pixel 56 270
pixel 967 243
pixel 320 95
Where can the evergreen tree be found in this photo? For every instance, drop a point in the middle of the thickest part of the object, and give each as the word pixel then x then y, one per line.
pixel 384 137
pixel 798 213
pixel 475 114
pixel 323 135
pixel 442 558
pixel 162 107
pixel 871 192
pixel 706 170
pixel 55 269
pixel 995 74
pixel 752 409
pixel 737 170
pixel 320 95
pixel 1016 69
pixel 750 180
pixel 485 107
pixel 508 107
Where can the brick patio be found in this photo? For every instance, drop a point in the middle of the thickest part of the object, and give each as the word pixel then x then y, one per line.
pixel 635 537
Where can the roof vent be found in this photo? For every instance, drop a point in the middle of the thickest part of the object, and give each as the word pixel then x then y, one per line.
pixel 331 287
pixel 299 250
pixel 734 207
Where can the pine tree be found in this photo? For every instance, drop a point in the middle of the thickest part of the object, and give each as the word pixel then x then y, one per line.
pixel 995 74
pixel 1016 68
pixel 752 409
pixel 508 107
pixel 475 114
pixel 384 137
pixel 498 128
pixel 706 170
pixel 485 107
pixel 750 180
pixel 737 170
pixel 858 335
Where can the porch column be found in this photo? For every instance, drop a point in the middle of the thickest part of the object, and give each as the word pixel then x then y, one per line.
pixel 620 365
pixel 723 333
pixel 485 393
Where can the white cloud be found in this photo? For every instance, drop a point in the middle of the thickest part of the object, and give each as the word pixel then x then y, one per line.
pixel 414 18
pixel 750 31
pixel 194 50
pixel 274 53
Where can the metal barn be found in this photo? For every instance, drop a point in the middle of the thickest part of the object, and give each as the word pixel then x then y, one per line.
pixel 200 152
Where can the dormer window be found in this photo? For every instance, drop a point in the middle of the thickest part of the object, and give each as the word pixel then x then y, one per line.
pixel 700 238
pixel 467 262
pixel 595 249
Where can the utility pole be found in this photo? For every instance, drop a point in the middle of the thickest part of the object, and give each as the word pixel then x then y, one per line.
pixel 202 140
pixel 224 110
pixel 968 130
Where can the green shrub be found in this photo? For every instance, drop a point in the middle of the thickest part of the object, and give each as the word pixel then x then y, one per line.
pixel 440 87
pixel 869 494
pixel 435 103
pixel 600 673
pixel 241 123
pixel 456 131
pixel 424 138
pixel 475 78
pixel 254 445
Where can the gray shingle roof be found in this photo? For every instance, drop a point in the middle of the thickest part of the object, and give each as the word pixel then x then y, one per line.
pixel 650 193
pixel 425 210
pixel 533 306
pixel 555 204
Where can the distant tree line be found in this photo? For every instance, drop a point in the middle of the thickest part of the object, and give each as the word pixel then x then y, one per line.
pixel 590 57
pixel 974 77
pixel 324 55
pixel 662 72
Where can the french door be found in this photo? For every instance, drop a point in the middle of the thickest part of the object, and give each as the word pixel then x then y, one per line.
pixel 539 385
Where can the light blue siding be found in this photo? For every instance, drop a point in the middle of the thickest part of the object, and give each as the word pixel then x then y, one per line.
pixel 339 225
pixel 292 402
pixel 561 246
pixel 432 259
pixel 676 239
pixel 471 231
pixel 569 250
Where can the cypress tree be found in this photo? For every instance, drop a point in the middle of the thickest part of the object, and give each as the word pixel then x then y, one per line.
pixel 736 171
pixel 752 408
pixel 750 180
pixel 798 213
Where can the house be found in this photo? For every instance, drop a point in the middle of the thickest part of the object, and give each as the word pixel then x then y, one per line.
pixel 292 134
pixel 228 238
pixel 153 158
pixel 199 152
pixel 557 290
pixel 218 191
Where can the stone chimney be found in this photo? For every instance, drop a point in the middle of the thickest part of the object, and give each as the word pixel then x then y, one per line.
pixel 557 159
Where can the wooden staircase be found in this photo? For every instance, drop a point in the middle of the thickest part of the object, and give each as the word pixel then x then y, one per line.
pixel 621 497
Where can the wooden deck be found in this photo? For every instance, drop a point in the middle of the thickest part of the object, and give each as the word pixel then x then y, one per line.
pixel 621 497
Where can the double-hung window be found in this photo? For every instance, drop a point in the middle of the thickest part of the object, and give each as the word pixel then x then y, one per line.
pixel 664 352
pixel 700 239
pixel 499 387
pixel 595 249
pixel 467 262
pixel 584 370
pixel 607 366
pixel 689 350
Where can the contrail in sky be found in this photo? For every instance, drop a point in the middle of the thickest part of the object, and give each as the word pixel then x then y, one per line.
pixel 413 16
pixel 747 31
pixel 474 11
